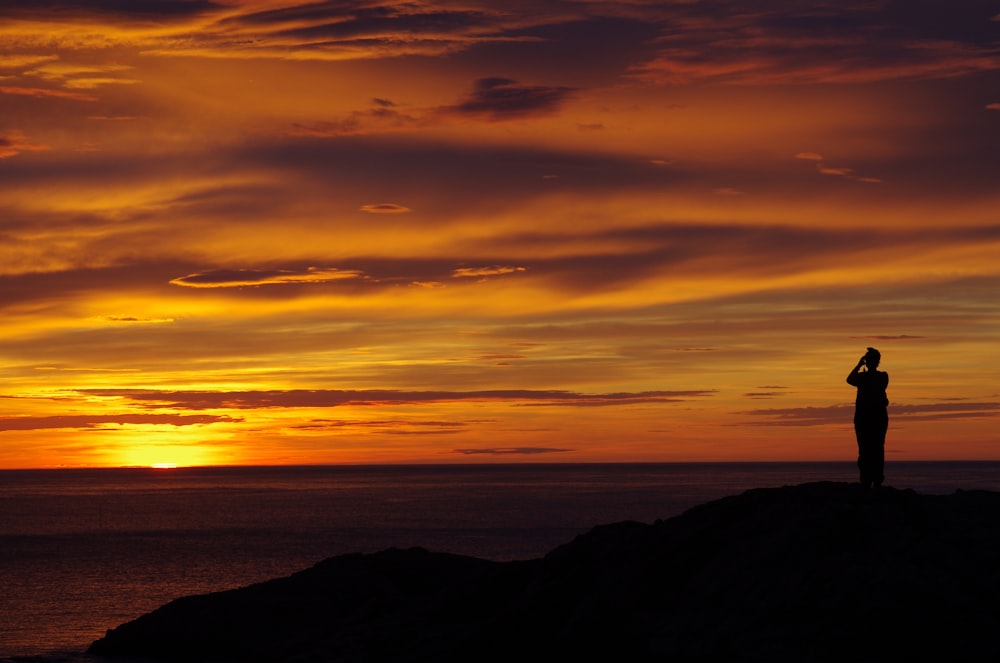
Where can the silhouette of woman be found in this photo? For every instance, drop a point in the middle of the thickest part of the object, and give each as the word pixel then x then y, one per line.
pixel 871 417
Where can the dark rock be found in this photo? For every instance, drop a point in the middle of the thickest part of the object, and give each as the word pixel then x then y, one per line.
pixel 816 572
pixel 349 608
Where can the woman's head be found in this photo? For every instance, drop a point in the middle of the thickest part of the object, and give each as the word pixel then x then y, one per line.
pixel 872 358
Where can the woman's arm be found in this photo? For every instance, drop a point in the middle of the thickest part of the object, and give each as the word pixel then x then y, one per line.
pixel 852 377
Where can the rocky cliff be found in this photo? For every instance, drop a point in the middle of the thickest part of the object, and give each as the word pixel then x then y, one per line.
pixel 815 572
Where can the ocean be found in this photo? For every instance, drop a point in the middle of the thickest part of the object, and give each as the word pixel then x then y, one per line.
pixel 82 551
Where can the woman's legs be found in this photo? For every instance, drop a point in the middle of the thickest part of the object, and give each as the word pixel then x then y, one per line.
pixel 870 432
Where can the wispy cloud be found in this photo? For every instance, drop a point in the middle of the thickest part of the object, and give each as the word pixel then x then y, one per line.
pixel 499 98
pixel 83 421
pixel 82 76
pixel 24 61
pixel 511 451
pixel 384 208
pixel 493 99
pixel 791 43
pixel 891 337
pixel 346 30
pixel 13 143
pixel 382 117
pixel 823 168
pixel 482 272
pixel 239 278
pixel 44 93
pixel 388 426
pixel 207 400
pixel 134 319
pixel 843 414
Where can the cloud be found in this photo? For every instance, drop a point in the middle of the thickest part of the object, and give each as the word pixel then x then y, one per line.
pixel 561 254
pixel 91 83
pixel 788 42
pixel 610 259
pixel 23 60
pixel 384 208
pixel 44 93
pixel 481 272
pixel 719 41
pixel 349 19
pixel 345 22
pixel 80 76
pixel 592 260
pixel 492 99
pixel 945 411
pixel 844 414
pixel 13 143
pixel 298 398
pixel 511 451
pixel 112 118
pixel 995 106
pixel 85 421
pixel 238 278
pixel 897 337
pixel 821 166
pixel 474 175
pixel 503 99
pixel 82 9
pixel 371 272
pixel 390 426
pixel 383 117
pixel 134 319
pixel 342 30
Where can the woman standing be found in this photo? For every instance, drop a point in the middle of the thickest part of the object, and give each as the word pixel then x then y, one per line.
pixel 871 417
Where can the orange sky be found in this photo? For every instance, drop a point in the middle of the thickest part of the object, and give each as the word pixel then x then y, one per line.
pixel 239 232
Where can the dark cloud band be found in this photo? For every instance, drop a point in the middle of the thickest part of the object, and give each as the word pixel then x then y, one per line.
pixel 85 421
pixel 208 400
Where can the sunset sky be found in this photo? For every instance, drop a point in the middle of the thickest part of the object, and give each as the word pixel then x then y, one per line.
pixel 436 231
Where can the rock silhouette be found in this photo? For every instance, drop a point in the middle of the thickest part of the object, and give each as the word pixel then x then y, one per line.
pixel 815 572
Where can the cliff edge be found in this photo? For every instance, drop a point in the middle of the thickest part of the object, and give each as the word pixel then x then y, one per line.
pixel 814 572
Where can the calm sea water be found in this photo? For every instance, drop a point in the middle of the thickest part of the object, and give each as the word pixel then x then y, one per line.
pixel 82 551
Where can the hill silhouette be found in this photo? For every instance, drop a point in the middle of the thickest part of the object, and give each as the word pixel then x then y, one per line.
pixel 814 572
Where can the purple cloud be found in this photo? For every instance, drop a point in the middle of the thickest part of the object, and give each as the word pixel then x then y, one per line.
pixel 502 99
pixel 87 421
pixel 511 451
pixel 234 278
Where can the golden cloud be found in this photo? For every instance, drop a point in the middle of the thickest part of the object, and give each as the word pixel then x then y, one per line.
pixel 480 272
pixel 45 92
pixel 384 208
pixel 13 143
pixel 238 278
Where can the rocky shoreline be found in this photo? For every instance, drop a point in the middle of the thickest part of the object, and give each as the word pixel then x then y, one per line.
pixel 814 572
